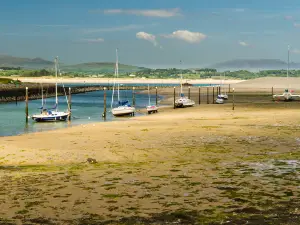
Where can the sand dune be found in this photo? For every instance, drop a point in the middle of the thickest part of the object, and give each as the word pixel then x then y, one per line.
pixel 269 82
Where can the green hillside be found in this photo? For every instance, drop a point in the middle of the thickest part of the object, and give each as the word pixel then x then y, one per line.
pixel 26 63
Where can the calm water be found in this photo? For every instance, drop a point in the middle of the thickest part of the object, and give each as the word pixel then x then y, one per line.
pixel 86 108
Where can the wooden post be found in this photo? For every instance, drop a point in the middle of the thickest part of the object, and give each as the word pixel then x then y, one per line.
pixel 272 92
pixel 84 86
pixel 207 92
pixel 219 90
pixel 104 103
pixel 16 99
pixel 174 99
pixel 199 95
pixel 213 95
pixel 133 97
pixel 229 88
pixel 26 107
pixel 189 92
pixel 156 95
pixel 232 98
pixel 70 103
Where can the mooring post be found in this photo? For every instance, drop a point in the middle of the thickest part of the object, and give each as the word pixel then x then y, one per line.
pixel 104 103
pixel 229 88
pixel 207 92
pixel 174 99
pixel 156 95
pixel 84 86
pixel 199 95
pixel 219 90
pixel 213 95
pixel 133 97
pixel 26 107
pixel 232 98
pixel 189 92
pixel 70 103
pixel 272 91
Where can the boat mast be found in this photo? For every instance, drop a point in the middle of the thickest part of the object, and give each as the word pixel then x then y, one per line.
pixel 42 97
pixel 224 82
pixel 56 99
pixel 117 71
pixel 288 65
pixel 149 95
pixel 180 81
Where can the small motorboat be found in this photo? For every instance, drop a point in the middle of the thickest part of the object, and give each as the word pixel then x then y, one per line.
pixel 152 109
pixel 224 96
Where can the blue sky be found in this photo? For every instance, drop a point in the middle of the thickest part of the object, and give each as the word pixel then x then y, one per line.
pixel 156 33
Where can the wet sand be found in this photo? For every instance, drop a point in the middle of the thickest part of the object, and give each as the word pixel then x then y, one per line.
pixel 203 165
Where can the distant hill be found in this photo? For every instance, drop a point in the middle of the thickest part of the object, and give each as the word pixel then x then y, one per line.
pixel 39 63
pixel 254 64
pixel 36 63
pixel 100 67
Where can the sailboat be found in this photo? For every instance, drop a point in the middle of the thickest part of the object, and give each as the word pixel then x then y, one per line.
pixel 223 95
pixel 287 94
pixel 151 108
pixel 183 101
pixel 51 115
pixel 123 108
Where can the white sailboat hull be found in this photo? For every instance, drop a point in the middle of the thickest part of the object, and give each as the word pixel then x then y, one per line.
pixel 184 102
pixel 123 111
pixel 219 101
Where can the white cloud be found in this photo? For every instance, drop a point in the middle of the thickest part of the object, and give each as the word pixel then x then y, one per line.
pixel 147 37
pixel 52 25
pixel 112 29
pixel 297 25
pixel 243 43
pixel 188 36
pixel 295 51
pixel 248 32
pixel 92 40
pixel 164 13
pixel 239 10
pixel 288 17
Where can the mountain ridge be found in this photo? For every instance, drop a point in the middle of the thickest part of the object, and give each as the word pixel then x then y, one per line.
pixel 98 67
pixel 250 64
pixel 40 63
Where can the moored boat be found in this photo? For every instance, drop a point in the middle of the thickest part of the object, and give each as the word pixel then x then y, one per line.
pixel 123 107
pixel 51 115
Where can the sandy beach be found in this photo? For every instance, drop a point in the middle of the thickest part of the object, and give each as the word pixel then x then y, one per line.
pixel 125 81
pixel 203 165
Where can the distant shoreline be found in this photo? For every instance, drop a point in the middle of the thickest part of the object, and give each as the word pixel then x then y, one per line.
pixel 126 81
